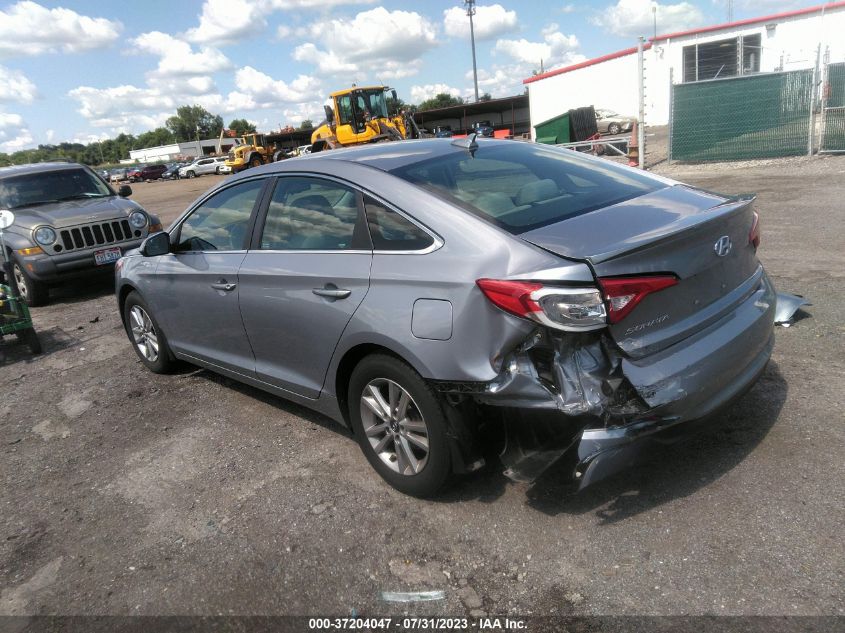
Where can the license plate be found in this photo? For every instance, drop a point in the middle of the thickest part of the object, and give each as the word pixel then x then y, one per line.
pixel 107 256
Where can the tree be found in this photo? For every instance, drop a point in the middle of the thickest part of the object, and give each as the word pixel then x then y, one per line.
pixel 485 97
pixel 155 138
pixel 443 100
pixel 306 125
pixel 193 121
pixel 241 127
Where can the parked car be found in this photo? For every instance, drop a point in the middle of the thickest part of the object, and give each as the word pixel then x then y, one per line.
pixel 68 223
pixel 104 174
pixel 426 297
pixel 118 174
pixel 152 172
pixel 206 165
pixel 483 128
pixel 133 174
pixel 443 132
pixel 610 122
pixel 172 171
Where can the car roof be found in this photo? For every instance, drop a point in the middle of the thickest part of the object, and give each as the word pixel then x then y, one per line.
pixel 35 168
pixel 388 156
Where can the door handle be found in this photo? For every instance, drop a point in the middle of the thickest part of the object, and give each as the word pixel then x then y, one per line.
pixel 226 287
pixel 332 293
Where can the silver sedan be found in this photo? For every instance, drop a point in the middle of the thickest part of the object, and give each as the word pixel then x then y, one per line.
pixel 433 294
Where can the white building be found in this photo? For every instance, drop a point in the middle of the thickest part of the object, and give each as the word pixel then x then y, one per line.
pixel 180 150
pixel 783 41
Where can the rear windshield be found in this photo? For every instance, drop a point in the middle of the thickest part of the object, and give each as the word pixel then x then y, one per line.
pixel 523 186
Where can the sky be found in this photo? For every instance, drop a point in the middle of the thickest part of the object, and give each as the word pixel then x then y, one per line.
pixel 87 70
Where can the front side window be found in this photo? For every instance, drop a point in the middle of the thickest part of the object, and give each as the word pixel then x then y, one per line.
pixel 220 223
pixel 390 231
pixel 312 214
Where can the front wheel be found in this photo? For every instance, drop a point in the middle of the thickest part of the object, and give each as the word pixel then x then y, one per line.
pixel 33 292
pixel 255 161
pixel 146 336
pixel 400 426
pixel 192 174
pixel 614 128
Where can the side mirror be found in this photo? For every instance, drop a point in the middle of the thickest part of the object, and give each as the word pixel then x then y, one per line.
pixel 125 191
pixel 156 244
pixel 393 94
pixel 329 113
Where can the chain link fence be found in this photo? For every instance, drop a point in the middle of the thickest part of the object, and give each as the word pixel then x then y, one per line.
pixel 741 118
pixel 833 109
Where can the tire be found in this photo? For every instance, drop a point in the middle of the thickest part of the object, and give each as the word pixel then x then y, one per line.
pixel 613 128
pixel 146 336
pixel 35 293
pixel 192 174
pixel 413 452
pixel 30 338
pixel 217 171
pixel 255 161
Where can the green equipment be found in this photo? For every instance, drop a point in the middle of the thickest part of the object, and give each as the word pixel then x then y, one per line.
pixel 14 313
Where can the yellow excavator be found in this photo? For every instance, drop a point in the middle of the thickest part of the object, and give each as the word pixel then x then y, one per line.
pixel 360 115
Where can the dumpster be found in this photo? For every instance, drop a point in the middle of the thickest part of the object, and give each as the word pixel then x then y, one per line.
pixel 555 130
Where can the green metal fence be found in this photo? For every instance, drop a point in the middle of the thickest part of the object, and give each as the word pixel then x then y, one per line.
pixel 833 111
pixel 759 116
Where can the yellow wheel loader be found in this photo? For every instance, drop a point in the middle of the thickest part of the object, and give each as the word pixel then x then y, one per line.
pixel 253 150
pixel 360 115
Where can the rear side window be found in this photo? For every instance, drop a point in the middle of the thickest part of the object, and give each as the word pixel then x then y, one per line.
pixel 523 186
pixel 313 214
pixel 390 231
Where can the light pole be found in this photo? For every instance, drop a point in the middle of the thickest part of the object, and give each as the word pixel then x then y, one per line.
pixel 470 6
pixel 654 14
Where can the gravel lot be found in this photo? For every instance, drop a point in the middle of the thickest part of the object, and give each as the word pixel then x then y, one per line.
pixel 130 493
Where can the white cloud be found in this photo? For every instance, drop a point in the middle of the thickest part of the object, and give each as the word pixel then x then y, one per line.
pixel 27 28
pixel 632 18
pixel 387 44
pixel 489 21
pixel 267 92
pixel 16 87
pixel 178 59
pixel 14 133
pixel 429 91
pixel 556 48
pixel 227 21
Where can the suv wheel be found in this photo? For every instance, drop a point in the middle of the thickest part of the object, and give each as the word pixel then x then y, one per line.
pixel 147 338
pixel 192 174
pixel 34 293
pixel 400 426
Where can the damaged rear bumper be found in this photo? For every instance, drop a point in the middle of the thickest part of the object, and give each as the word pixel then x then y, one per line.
pixel 598 409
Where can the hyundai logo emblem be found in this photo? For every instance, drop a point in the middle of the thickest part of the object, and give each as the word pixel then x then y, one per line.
pixel 722 246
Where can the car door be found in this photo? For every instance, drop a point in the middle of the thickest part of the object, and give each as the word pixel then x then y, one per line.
pixel 303 278
pixel 196 299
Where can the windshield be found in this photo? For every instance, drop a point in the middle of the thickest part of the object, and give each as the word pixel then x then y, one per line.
pixel 50 186
pixel 374 102
pixel 523 186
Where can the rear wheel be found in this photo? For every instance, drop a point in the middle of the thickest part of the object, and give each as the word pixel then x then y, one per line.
pixel 614 128
pixel 33 292
pixel 147 338
pixel 192 174
pixel 400 426
pixel 255 161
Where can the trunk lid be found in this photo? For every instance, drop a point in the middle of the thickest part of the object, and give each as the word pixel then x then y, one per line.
pixel 673 230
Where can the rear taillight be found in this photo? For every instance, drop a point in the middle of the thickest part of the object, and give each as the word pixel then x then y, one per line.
pixel 754 233
pixel 624 293
pixel 571 309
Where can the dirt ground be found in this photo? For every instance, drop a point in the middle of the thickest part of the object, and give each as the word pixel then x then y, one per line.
pixel 130 493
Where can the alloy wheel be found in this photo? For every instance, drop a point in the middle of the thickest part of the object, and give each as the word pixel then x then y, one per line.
pixel 20 281
pixel 394 426
pixel 144 333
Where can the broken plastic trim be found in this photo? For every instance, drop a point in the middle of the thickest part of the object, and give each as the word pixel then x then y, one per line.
pixel 786 307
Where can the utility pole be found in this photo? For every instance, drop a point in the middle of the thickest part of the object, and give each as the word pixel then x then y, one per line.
pixel 730 10
pixel 470 7
pixel 654 15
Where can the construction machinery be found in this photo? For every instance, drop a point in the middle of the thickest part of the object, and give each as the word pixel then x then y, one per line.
pixel 360 115
pixel 253 150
